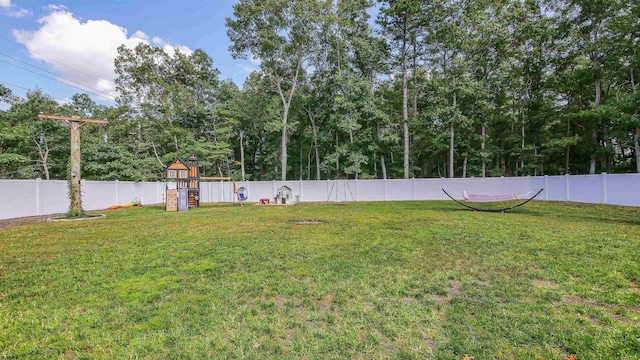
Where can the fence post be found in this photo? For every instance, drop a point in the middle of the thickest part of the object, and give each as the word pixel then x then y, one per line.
pixel 117 195
pixel 356 186
pixel 568 193
pixel 300 198
pixel 38 196
pixel 546 187
pixel 328 193
pixel 604 186
pixel 384 189
pixel 413 189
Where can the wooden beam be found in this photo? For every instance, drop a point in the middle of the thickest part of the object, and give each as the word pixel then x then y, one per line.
pixel 215 178
pixel 68 118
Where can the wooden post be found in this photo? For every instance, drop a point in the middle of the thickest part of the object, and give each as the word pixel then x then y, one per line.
pixel 74 124
pixel 76 196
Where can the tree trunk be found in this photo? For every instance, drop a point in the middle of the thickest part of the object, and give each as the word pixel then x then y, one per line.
pixel 636 139
pixel 636 144
pixel 139 138
pixel 482 145
pixel 464 166
pixel 44 157
pixel 375 165
pixel 337 157
pixel 608 161
pixel 383 166
pixel 452 137
pixel 317 152
pixel 283 146
pixel 592 162
pixel 286 103
pixel 522 145
pixel 405 110
pixel 598 86
pixel 567 158
pixel 300 170
pixel 415 78
pixel 309 162
pixel 535 156
pixel 314 131
pixel 242 169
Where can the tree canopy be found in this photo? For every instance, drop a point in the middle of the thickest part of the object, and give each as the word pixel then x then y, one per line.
pixel 425 89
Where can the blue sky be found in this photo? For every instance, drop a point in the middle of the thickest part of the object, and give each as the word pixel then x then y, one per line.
pixel 74 41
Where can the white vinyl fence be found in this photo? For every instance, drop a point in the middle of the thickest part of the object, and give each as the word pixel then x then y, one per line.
pixel 20 198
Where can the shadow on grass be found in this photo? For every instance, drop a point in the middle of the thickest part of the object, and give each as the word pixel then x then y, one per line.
pixel 450 206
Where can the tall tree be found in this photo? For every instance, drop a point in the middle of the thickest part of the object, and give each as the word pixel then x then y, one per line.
pixel 45 142
pixel 587 24
pixel 282 35
pixel 401 21
pixel 172 100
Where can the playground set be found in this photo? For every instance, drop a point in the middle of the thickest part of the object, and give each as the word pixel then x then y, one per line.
pixel 183 185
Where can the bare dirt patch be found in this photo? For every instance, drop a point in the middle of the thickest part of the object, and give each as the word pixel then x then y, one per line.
pixel 430 343
pixel 326 301
pixel 454 290
pixel 308 222
pixel 280 301
pixel 545 284
pixel 26 220
pixel 408 301
pixel 613 311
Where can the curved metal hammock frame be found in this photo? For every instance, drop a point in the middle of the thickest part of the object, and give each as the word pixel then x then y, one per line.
pixel 494 210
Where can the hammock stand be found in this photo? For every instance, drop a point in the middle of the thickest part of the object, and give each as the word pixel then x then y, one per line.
pixel 491 198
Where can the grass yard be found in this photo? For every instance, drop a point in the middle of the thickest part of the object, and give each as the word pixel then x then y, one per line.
pixel 404 280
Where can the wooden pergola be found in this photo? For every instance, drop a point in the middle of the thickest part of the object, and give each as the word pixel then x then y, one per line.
pixel 74 124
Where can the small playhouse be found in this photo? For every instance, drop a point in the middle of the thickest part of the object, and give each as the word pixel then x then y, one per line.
pixel 284 195
pixel 183 184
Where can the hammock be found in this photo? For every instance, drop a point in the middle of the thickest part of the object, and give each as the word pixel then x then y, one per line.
pixel 493 198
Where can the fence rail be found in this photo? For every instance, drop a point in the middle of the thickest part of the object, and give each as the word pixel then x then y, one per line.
pixel 21 198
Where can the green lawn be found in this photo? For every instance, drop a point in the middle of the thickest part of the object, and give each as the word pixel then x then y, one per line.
pixel 423 280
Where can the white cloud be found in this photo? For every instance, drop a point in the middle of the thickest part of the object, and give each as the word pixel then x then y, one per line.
pixel 140 35
pixel 168 48
pixel 247 69
pixel 256 61
pixel 64 101
pixel 57 7
pixel 13 10
pixel 19 12
pixel 252 65
pixel 83 52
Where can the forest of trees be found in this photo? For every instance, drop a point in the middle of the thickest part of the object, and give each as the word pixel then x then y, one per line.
pixel 454 88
